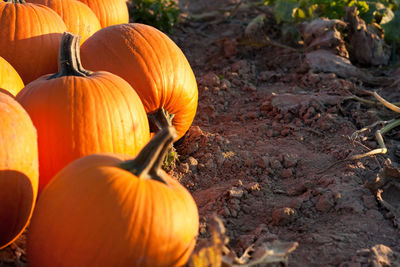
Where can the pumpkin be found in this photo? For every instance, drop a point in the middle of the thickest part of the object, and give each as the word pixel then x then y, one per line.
pixel 18 169
pixel 77 16
pixel 10 81
pixel 109 12
pixel 104 210
pixel 78 112
pixel 153 65
pixel 30 35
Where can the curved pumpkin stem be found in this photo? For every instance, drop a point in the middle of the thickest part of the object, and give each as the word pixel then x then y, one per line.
pixel 147 164
pixel 160 119
pixel 15 1
pixel 69 59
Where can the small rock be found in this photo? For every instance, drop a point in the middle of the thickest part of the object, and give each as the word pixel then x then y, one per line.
pixel 321 239
pixel 184 167
pixel 296 203
pixel 266 76
pixel 285 132
pixel 195 132
pixel 271 133
pixel 225 212
pixel 235 79
pixel 192 162
pixel 210 79
pixel 266 107
pixel 284 216
pixel 289 161
pixel 236 192
pixel 229 47
pixel 225 84
pixel 370 201
pixel 246 209
pixel 251 88
pixel 276 164
pixel 325 202
pixel 210 165
pixel 310 113
pixel 261 162
pixel 241 67
pixel 254 186
pixel 287 173
pixel 233 213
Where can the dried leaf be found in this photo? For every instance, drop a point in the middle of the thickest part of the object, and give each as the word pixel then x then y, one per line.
pixel 209 253
pixel 322 34
pixel 271 253
pixel 369 47
pixel 214 253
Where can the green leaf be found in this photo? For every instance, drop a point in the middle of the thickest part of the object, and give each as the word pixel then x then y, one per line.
pixel 162 14
pixel 392 28
pixel 284 10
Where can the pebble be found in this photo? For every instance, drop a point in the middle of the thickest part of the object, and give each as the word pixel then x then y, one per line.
pixel 210 79
pixel 184 167
pixel 236 192
pixel 287 173
pixel 284 216
pixel 325 202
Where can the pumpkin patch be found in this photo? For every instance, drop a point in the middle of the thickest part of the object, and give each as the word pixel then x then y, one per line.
pixel 69 134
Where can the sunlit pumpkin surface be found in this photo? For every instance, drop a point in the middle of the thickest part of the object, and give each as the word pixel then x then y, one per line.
pixel 153 65
pixel 77 16
pixel 109 12
pixel 10 80
pixel 93 213
pixel 18 169
pixel 30 35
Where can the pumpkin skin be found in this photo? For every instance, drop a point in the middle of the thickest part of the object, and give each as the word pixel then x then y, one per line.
pixel 152 64
pixel 18 169
pixel 10 81
pixel 77 16
pixel 32 50
pixel 96 213
pixel 77 112
pixel 109 12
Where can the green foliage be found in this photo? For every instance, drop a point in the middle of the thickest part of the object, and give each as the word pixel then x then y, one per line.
pixel 391 26
pixel 162 14
pixel 289 11
pixel 170 160
pixel 384 12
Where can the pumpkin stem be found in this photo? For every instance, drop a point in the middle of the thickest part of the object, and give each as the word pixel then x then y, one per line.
pixel 15 1
pixel 69 59
pixel 147 164
pixel 160 119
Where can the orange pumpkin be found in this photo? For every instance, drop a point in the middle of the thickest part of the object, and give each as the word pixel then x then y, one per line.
pixel 77 16
pixel 103 211
pixel 18 169
pixel 29 38
pixel 79 112
pixel 109 12
pixel 154 65
pixel 10 81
